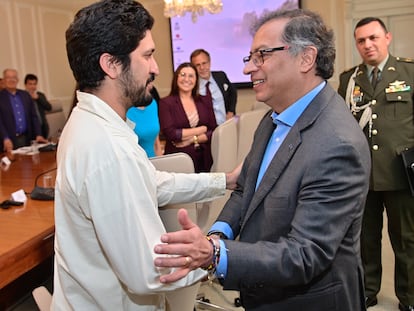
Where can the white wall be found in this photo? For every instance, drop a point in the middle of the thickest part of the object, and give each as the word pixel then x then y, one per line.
pixel 33 41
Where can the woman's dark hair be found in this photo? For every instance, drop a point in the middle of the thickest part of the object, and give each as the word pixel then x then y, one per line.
pixel 115 27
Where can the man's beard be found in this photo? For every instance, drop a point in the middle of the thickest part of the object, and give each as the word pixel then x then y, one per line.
pixel 138 95
pixel 144 102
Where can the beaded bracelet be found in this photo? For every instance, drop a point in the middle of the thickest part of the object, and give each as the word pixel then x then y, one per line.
pixel 211 268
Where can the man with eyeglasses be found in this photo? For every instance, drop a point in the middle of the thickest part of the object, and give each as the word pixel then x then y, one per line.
pixel 288 238
pixel 215 84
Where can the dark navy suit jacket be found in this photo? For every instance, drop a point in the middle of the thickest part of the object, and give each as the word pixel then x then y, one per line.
pixel 7 121
pixel 227 89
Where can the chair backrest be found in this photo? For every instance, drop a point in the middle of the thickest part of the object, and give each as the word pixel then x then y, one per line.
pixel 182 299
pixel 56 119
pixel 247 125
pixel 224 146
pixel 177 163
pixel 42 297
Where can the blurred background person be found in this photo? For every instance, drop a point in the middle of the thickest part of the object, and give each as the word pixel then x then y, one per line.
pixel 147 125
pixel 19 124
pixel 219 87
pixel 187 119
pixel 42 104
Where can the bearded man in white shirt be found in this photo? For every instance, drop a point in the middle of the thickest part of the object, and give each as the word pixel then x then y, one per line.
pixel 107 191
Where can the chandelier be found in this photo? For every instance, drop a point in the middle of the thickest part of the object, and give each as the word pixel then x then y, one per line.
pixel 195 7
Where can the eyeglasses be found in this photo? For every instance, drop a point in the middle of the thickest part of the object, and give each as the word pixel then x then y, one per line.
pixel 187 75
pixel 258 57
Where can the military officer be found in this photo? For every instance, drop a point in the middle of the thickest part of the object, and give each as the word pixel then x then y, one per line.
pixel 379 93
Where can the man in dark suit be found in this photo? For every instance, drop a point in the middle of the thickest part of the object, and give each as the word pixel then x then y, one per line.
pixel 39 98
pixel 384 108
pixel 298 206
pixel 18 119
pixel 221 90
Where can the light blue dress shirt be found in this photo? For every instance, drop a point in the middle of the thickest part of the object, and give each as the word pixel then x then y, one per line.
pixel 219 106
pixel 284 122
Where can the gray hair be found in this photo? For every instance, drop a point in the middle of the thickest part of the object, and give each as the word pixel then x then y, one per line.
pixel 306 28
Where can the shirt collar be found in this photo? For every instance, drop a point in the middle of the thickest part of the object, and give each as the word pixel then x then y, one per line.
pixel 293 112
pixel 380 66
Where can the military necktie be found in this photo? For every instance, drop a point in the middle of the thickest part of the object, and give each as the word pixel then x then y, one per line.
pixel 374 80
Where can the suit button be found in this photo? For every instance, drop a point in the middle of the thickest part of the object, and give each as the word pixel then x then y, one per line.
pixel 374 132
pixel 374 116
pixel 373 102
pixel 375 147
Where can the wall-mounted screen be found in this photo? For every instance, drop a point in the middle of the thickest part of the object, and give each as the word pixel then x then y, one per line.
pixel 226 36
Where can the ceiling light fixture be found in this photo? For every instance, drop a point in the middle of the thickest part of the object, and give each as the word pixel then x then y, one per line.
pixel 195 7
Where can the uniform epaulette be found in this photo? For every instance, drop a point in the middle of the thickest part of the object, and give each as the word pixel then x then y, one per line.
pixel 349 70
pixel 405 59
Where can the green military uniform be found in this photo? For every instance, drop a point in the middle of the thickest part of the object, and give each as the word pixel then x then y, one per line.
pixel 386 115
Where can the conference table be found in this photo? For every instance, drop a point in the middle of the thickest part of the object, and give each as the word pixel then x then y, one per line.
pixel 27 231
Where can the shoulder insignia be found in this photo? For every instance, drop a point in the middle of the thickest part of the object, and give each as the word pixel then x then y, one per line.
pixel 405 59
pixel 349 69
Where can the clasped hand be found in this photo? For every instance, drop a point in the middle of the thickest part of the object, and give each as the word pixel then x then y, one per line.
pixel 189 246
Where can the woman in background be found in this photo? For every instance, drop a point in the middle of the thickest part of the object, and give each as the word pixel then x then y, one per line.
pixel 187 119
pixel 147 125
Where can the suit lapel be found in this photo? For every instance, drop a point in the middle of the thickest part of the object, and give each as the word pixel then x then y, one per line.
pixel 276 167
pixel 219 81
pixel 282 157
pixel 264 132
pixel 363 81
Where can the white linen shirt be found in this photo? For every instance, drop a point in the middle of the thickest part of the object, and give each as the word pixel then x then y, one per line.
pixel 106 214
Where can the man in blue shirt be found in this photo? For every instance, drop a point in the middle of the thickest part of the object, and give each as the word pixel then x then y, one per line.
pixel 215 84
pixel 19 123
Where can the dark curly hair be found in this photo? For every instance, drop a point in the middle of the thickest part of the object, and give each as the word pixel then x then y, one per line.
pixel 115 27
